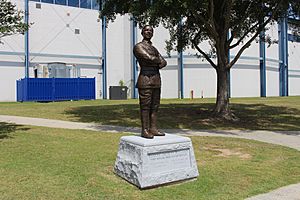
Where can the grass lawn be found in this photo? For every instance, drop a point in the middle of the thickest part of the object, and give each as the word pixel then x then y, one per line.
pixel 272 113
pixel 45 163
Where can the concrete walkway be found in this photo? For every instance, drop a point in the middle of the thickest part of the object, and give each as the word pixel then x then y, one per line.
pixel 285 138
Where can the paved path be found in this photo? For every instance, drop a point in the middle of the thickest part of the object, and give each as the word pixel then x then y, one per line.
pixel 286 138
pixel 290 192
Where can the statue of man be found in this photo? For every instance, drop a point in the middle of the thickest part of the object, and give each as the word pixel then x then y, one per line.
pixel 149 82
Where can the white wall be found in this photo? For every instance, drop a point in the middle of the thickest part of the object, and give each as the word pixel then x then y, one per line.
pixel 8 78
pixel 245 73
pixel 272 63
pixel 119 53
pixel 294 68
pixel 169 87
pixel 201 79
pixel 245 81
pixel 53 31
pixel 53 39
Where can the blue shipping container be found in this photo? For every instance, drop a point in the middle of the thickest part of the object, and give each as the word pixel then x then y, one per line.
pixel 55 89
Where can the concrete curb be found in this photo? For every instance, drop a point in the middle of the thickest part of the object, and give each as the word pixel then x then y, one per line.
pixel 290 192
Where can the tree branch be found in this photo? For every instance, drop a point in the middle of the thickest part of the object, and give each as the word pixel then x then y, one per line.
pixel 204 54
pixel 240 20
pixel 255 25
pixel 208 26
pixel 227 23
pixel 227 15
pixel 243 37
pixel 249 42
pixel 231 38
pixel 4 35
pixel 245 13
pixel 211 11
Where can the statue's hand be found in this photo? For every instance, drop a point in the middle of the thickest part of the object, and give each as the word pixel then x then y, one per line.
pixel 162 64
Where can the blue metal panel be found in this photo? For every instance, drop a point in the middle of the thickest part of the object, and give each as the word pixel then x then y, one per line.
pixel 180 67
pixel 280 49
pixel 228 73
pixel 27 39
pixel 37 90
pixel 134 60
pixel 48 1
pixel 180 75
pixel 104 73
pixel 283 57
pixel 65 89
pixel 19 91
pixel 86 4
pixel 60 2
pixel 293 38
pixel 55 89
pixel 83 93
pixel 229 83
pixel 262 63
pixel 73 3
pixel 286 66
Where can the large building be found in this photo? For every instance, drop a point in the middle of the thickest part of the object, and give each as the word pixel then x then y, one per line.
pixel 67 39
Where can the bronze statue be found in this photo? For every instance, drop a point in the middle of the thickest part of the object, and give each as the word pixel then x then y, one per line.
pixel 149 82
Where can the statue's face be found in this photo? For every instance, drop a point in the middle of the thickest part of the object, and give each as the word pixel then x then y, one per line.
pixel 147 32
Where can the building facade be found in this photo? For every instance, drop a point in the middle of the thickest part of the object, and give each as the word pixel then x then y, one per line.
pixel 67 39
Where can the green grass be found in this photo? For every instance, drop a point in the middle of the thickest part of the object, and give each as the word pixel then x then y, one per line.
pixel 273 113
pixel 44 163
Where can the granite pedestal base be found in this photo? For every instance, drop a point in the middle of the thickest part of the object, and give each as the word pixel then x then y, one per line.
pixel 153 162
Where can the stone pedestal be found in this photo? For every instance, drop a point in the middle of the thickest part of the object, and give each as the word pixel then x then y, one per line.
pixel 153 162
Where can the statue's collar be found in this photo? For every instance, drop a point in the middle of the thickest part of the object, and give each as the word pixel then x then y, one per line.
pixel 147 41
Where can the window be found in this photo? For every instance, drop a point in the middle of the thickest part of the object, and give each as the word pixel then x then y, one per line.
pixel 47 1
pixel 73 3
pixel 77 31
pixel 61 2
pixel 38 6
pixel 85 4
pixel 95 5
pixel 89 4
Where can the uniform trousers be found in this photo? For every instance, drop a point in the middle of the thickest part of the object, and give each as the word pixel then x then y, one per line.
pixel 149 98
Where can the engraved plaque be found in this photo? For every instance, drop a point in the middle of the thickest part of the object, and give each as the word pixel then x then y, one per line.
pixel 170 160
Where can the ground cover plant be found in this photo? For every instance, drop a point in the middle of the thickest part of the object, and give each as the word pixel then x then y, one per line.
pixel 273 113
pixel 45 163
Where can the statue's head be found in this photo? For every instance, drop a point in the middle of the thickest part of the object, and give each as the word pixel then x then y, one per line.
pixel 147 32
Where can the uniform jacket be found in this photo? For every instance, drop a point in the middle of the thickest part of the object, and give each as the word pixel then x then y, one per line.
pixel 150 62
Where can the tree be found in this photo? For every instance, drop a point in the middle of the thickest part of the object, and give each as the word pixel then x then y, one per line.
pixel 11 19
pixel 226 24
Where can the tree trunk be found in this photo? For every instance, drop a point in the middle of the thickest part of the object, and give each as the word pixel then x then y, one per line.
pixel 222 109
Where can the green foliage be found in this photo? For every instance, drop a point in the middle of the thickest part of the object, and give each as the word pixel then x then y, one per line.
pixel 11 19
pixel 121 83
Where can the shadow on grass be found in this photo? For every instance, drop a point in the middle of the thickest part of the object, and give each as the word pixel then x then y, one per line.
pixel 6 128
pixel 195 116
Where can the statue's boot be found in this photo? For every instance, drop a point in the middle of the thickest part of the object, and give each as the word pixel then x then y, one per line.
pixel 153 125
pixel 145 124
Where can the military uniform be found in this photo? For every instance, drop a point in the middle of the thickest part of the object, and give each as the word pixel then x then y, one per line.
pixel 149 84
